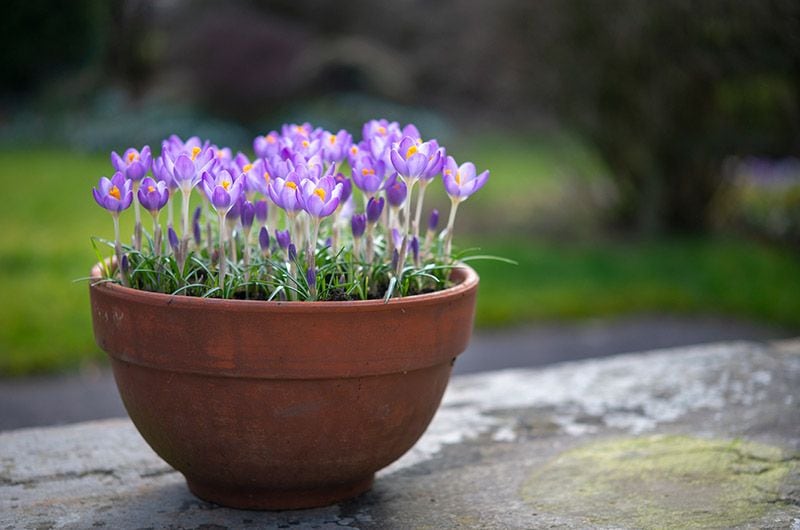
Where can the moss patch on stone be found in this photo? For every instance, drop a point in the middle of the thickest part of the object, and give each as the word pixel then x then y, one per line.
pixel 661 482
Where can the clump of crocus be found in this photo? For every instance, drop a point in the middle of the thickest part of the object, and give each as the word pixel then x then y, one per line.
pixel 338 208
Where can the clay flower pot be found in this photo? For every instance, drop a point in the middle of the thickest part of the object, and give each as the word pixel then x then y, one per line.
pixel 281 405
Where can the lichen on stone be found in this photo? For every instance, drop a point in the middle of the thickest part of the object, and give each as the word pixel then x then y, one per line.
pixel 662 482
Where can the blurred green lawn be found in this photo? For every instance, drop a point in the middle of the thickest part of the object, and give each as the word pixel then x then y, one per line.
pixel 48 216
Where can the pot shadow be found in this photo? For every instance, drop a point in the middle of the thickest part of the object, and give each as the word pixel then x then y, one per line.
pixel 170 504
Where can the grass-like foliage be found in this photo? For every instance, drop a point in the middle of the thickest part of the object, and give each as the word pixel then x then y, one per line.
pixel 280 274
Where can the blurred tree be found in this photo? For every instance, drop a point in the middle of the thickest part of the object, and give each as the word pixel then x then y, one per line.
pixel 667 90
pixel 41 38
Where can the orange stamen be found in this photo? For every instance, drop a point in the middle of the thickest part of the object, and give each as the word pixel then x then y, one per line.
pixel 247 167
pixel 411 150
pixel 114 192
pixel 195 152
pixel 319 192
pixel 291 184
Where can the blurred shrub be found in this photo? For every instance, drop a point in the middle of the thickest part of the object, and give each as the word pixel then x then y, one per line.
pixel 667 90
pixel 763 199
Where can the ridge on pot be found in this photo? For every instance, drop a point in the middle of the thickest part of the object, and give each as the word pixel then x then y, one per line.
pixel 279 405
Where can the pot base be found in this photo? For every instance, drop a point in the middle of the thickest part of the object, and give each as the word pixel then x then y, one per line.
pixel 263 499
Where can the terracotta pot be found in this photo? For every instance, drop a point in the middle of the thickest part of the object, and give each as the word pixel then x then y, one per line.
pixel 281 405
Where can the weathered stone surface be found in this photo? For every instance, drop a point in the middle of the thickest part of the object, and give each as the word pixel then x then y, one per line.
pixel 704 437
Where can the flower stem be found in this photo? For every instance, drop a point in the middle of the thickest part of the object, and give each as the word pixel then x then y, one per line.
pixel 185 197
pixel 118 250
pixel 137 230
pixel 221 267
pixel 311 255
pixel 423 184
pixel 448 241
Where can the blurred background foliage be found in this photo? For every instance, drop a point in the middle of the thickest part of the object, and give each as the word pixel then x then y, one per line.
pixel 643 154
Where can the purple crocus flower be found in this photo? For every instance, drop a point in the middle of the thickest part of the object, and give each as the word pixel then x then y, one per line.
pixel 413 160
pixel 319 199
pixel 222 191
pixel 397 239
pixel 433 220
pixel 133 164
pixel 335 146
pixel 263 239
pixel 114 195
pixel 153 195
pixel 283 238
pixel 267 146
pixel 396 191
pixel 292 252
pixel 283 192
pixel 347 186
pixel 461 181
pixel 262 210
pixel 172 237
pixel 247 215
pixel 368 174
pixel 358 223
pixel 374 209
pixel 311 276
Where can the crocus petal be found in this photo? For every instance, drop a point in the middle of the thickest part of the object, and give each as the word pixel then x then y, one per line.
pixel 415 165
pixel 399 163
pixel 117 161
pixel 221 199
pixel 184 169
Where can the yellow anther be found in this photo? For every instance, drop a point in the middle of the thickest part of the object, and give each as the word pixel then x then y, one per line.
pixel 305 143
pixel 114 192
pixel 151 189
pixel 381 130
pixel 290 184
pixel 270 139
pixel 226 184
pixel 195 152
pixel 367 171
pixel 247 167
pixel 411 150
pixel 319 192
pixel 448 172
pixel 332 140
pixel 132 156
pixel 354 150
pixel 266 176
pixel 458 178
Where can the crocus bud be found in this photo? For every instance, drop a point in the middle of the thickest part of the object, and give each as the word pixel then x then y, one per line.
pixel 415 248
pixel 262 209
pixel 283 237
pixel 248 213
pixel 292 252
pixel 433 220
pixel 198 234
pixel 263 239
pixel 311 276
pixel 397 238
pixel 347 187
pixel 196 216
pixel 358 223
pixel 395 259
pixel 173 240
pixel 125 266
pixel 396 191
pixel 374 209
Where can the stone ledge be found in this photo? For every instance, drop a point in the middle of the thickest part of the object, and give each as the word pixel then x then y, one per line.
pixel 690 437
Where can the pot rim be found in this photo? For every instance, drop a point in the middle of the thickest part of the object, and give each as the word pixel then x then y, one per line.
pixel 469 281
